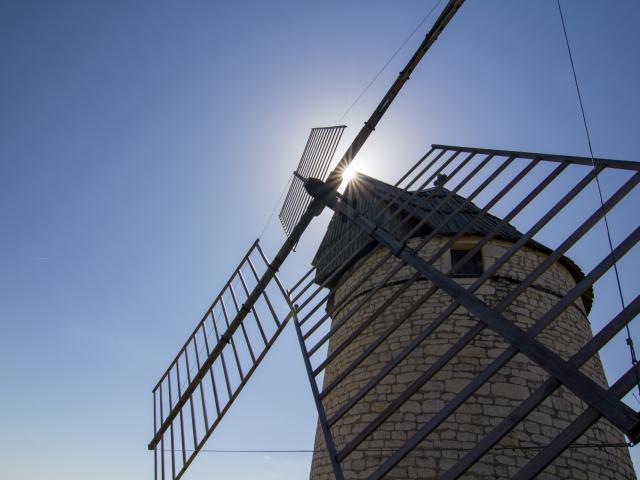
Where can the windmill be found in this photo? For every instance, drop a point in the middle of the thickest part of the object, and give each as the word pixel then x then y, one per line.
pixel 382 243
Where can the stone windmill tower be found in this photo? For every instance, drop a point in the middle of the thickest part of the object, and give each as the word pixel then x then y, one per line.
pixel 501 393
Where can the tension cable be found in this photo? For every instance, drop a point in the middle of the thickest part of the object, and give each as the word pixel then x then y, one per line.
pixel 629 340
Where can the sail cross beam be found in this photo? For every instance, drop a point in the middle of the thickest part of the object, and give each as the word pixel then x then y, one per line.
pixel 231 333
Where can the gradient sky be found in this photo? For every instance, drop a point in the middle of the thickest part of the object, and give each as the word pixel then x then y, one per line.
pixel 143 146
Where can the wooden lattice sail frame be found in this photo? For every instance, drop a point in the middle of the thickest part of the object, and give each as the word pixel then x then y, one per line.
pixel 253 308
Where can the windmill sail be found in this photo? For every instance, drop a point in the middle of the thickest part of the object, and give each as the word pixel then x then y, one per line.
pixel 215 363
pixel 375 344
pixel 315 161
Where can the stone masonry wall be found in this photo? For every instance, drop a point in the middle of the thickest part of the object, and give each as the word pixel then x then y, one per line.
pixel 489 405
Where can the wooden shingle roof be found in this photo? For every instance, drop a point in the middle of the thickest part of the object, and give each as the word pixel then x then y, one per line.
pixel 343 240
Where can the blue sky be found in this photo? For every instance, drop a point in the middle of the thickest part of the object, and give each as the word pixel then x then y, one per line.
pixel 144 144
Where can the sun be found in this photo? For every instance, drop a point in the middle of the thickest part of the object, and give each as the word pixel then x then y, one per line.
pixel 348 174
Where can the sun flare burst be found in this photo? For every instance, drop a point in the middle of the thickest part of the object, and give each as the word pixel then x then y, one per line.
pixel 348 174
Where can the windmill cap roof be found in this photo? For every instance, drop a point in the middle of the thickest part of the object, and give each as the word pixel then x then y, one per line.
pixel 434 206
